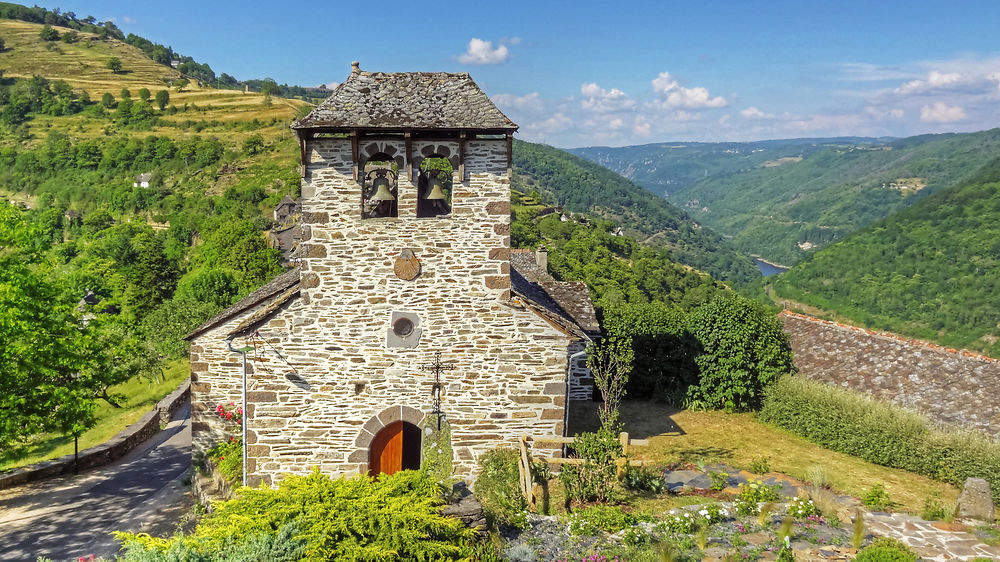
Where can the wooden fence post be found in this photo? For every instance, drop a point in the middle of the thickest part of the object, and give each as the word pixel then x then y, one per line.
pixel 525 466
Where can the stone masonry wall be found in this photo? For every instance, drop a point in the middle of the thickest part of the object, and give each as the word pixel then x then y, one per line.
pixel 947 385
pixel 508 374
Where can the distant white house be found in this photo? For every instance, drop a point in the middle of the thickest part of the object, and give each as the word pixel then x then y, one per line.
pixel 142 180
pixel 175 63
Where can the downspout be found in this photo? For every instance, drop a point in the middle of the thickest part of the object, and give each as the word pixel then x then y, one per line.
pixel 243 353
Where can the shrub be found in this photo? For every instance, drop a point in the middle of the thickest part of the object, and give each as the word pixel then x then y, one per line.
pixel 596 479
pixel 933 510
pixel 801 508
pixel 719 480
pixel 876 498
pixel 851 423
pixel 884 549
pixel 228 458
pixel 498 488
pixel 680 522
pixel 643 479
pixel 744 349
pixel 753 493
pixel 760 465
pixel 393 518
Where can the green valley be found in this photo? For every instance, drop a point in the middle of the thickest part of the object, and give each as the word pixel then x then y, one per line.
pixel 786 201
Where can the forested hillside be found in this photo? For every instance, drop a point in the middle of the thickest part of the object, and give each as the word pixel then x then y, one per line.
pixel 669 167
pixel 584 187
pixel 782 208
pixel 930 271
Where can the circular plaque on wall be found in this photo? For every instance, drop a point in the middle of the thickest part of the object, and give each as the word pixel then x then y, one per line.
pixel 407 266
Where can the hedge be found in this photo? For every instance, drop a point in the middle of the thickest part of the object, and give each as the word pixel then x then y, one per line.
pixel 880 432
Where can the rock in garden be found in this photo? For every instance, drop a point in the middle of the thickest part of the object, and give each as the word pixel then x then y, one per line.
pixel 976 501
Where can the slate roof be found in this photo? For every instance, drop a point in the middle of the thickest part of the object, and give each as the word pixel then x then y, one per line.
pixel 274 288
pixel 568 300
pixel 406 100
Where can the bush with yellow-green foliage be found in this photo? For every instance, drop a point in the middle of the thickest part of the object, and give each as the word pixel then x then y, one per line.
pixel 395 517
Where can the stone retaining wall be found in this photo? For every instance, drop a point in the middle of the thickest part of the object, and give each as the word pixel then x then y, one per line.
pixel 115 448
pixel 949 386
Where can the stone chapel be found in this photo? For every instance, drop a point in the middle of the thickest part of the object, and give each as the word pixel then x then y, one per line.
pixel 407 308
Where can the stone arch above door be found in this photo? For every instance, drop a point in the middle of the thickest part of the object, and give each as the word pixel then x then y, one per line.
pixel 376 424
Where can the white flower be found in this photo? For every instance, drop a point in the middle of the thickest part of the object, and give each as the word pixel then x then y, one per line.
pixel 703 512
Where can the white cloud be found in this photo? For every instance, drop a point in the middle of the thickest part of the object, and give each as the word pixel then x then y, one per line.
pixel 554 124
pixel 940 112
pixel 329 85
pixel 674 95
pixel 482 52
pixel 616 123
pixel 754 113
pixel 642 127
pixel 935 80
pixel 527 102
pixel 598 99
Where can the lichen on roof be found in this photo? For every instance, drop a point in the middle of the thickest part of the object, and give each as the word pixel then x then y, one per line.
pixel 406 100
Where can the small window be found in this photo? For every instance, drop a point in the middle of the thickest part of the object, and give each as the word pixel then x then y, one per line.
pixel 434 186
pixel 379 188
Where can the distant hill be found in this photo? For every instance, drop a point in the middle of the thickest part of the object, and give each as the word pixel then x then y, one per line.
pixel 783 208
pixel 671 167
pixel 584 187
pixel 931 271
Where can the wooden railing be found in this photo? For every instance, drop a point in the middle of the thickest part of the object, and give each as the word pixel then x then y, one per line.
pixel 524 465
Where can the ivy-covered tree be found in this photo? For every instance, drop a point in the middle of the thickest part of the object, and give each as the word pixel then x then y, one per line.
pixel 743 350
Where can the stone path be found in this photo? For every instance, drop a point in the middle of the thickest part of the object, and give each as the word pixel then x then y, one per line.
pixel 931 540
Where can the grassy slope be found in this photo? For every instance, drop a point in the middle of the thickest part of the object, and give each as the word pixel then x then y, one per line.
pixel 738 439
pixel 930 271
pixel 142 396
pixel 81 65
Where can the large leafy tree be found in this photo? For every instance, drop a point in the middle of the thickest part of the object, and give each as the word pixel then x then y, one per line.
pixel 54 363
pixel 743 350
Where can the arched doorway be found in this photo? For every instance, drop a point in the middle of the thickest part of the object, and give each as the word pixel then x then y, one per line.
pixel 396 447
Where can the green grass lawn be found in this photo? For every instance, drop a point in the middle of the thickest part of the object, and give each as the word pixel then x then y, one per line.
pixel 142 396
pixel 683 436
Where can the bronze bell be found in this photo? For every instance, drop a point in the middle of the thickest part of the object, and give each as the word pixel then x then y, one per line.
pixel 435 192
pixel 382 192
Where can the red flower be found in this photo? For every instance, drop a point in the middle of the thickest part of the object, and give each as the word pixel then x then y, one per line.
pixel 222 458
pixel 229 415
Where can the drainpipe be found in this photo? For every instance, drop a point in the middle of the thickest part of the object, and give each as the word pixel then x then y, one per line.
pixel 242 352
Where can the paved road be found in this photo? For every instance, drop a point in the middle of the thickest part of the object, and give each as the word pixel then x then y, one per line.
pixel 69 517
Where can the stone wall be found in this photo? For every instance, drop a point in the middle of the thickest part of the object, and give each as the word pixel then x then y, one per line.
pixel 508 368
pixel 947 385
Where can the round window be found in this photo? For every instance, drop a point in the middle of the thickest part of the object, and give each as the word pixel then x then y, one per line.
pixel 402 327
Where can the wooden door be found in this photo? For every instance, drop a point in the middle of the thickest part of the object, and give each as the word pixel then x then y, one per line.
pixel 386 454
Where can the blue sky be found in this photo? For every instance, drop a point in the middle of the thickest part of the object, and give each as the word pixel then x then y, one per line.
pixel 616 73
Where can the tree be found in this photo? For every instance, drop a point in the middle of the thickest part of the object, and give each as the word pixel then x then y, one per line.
pixel 610 361
pixel 253 144
pixel 114 64
pixel 3 46
pixel 144 94
pixel 744 349
pixel 48 34
pixel 162 99
pixel 181 83
pixel 126 94
pixel 53 366
pixel 107 100
pixel 70 36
